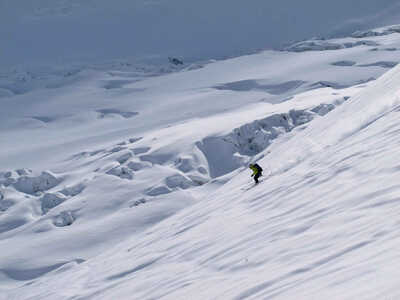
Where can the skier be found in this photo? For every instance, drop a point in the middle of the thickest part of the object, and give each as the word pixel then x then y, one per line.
pixel 257 171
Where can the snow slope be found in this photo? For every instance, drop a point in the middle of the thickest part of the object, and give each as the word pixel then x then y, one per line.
pixel 139 187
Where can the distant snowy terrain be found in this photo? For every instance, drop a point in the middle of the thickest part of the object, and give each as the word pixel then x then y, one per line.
pixel 130 181
pixel 60 31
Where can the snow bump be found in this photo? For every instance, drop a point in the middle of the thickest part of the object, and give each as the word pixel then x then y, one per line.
pixel 34 184
pixel 65 218
pixel 344 63
pixel 51 200
pixel 253 84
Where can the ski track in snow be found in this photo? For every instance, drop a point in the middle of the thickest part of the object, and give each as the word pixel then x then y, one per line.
pixel 122 184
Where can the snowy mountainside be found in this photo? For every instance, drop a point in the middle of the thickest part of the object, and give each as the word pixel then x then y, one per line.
pixel 325 227
pixel 125 184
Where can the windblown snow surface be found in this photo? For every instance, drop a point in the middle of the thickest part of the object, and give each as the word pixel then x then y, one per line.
pixel 123 182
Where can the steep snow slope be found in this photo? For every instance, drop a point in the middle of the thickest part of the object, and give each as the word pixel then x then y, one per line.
pixel 115 150
pixel 323 225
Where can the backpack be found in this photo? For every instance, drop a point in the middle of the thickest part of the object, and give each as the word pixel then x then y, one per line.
pixel 258 168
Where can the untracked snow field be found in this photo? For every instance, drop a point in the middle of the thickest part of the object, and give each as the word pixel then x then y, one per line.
pixel 125 182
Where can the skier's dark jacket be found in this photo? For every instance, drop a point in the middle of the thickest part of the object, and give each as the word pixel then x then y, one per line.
pixel 256 169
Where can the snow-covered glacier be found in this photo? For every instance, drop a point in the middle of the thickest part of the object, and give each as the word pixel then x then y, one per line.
pixel 131 181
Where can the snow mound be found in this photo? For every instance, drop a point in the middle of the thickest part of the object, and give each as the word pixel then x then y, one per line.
pixel 159 190
pixel 110 112
pixel 117 83
pixel 323 45
pixel 7 178
pixel 391 49
pixel 178 180
pixel 138 202
pixel 7 199
pixel 35 184
pixel 138 165
pixel 383 64
pixel 121 172
pixel 250 85
pixel 65 218
pixel 377 32
pixel 51 200
pixel 124 157
pixel 339 85
pixel 344 63
pixel 185 164
pixel 4 202
pixel 74 190
pixel 140 150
